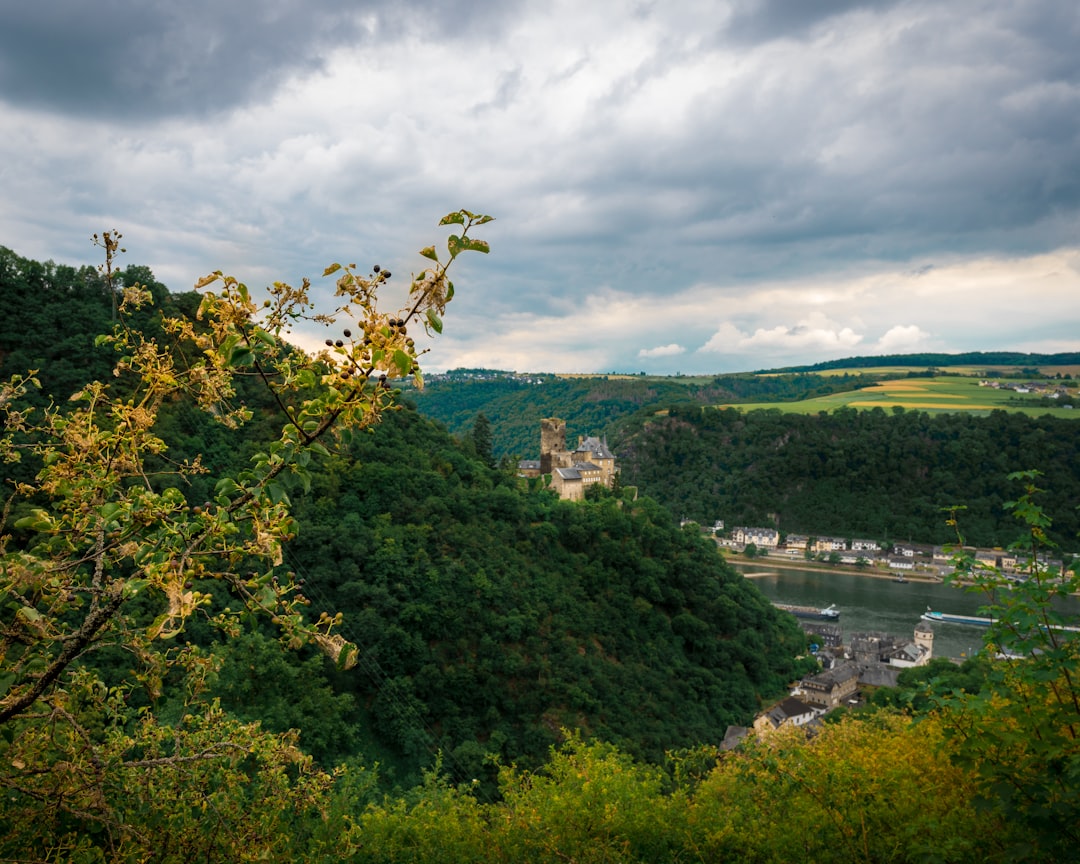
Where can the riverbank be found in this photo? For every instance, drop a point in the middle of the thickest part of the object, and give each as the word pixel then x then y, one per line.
pixel 739 561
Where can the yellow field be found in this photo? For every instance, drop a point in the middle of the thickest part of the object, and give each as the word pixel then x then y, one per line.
pixel 940 394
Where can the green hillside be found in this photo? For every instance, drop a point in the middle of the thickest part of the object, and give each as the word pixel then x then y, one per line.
pixel 887 475
pixel 490 615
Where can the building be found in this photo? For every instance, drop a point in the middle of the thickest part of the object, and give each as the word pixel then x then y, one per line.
pixel 790 712
pixel 829 544
pixel 571 472
pixel 824 634
pixel 758 536
pixel 831 687
pixel 872 649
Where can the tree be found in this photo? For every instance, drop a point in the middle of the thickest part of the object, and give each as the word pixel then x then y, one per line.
pixel 1020 732
pixel 108 557
pixel 481 439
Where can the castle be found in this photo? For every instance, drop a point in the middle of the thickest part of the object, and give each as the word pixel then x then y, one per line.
pixel 571 472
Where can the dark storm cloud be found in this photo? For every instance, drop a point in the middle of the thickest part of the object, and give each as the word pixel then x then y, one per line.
pixel 131 58
pixel 961 128
pixel 679 160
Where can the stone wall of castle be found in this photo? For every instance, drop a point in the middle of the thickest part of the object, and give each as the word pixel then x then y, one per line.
pixel 553 445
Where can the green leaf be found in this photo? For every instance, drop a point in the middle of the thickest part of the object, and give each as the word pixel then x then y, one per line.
pixel 38 521
pixel 28 613
pixel 110 510
pixel 243 289
pixel 263 336
pixel 455 245
pixel 429 252
pixel 477 245
pixel 434 321
pixel 277 493
pixel 333 268
pixel 241 355
pixel 403 361
pixel 226 486
pixel 483 220
pixel 457 218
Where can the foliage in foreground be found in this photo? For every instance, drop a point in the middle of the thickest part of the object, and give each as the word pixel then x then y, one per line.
pixel 108 555
pixel 860 791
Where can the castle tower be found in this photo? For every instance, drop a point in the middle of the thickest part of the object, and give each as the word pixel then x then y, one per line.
pixel 924 637
pixel 552 444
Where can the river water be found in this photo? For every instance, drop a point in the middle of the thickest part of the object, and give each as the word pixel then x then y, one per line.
pixel 881 605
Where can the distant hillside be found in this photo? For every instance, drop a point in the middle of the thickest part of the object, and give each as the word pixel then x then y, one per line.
pixel 880 474
pixel 612 406
pixel 971 358
pixel 515 403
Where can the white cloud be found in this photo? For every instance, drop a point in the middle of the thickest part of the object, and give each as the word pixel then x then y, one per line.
pixel 902 339
pixel 814 334
pixel 662 351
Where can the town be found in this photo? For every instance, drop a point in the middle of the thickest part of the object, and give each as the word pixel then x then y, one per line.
pixel 897 559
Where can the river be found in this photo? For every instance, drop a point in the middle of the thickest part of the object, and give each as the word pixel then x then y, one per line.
pixel 879 605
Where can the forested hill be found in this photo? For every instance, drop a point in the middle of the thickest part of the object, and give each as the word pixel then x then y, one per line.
pixel 875 474
pixel 52 314
pixel 490 615
pixel 595 405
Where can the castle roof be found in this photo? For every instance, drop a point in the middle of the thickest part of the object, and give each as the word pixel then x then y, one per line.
pixel 598 448
pixel 574 471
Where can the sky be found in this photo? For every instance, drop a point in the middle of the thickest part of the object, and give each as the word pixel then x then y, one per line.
pixel 678 187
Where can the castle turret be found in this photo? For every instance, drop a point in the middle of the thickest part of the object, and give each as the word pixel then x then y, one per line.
pixel 924 637
pixel 552 444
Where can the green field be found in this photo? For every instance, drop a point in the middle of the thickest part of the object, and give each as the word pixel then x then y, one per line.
pixel 934 395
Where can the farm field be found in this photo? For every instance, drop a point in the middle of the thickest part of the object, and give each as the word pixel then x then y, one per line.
pixel 934 395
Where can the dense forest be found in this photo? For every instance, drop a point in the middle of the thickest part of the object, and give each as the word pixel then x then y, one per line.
pixel 888 476
pixel 224 639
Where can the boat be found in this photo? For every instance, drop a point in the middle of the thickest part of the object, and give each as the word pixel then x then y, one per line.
pixel 830 613
pixel 950 618
pixel 979 621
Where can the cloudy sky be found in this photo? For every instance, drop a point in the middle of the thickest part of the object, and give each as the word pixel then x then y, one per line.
pixel 679 186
